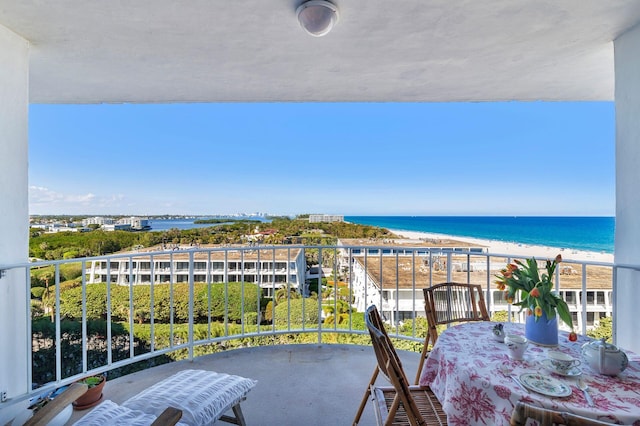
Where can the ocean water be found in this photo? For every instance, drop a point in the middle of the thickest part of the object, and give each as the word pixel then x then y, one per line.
pixel 184 223
pixel 181 224
pixel 579 233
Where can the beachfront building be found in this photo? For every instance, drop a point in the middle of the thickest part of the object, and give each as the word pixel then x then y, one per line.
pixel 314 218
pixel 116 227
pixel 134 222
pixel 393 278
pixel 98 220
pixel 271 269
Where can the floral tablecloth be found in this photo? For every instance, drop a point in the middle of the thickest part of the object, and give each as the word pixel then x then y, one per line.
pixel 465 370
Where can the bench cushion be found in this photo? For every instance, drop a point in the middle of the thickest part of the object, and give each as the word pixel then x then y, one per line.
pixel 203 396
pixel 110 413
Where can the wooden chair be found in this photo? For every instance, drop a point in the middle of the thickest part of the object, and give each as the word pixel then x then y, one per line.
pixel 545 417
pixel 400 404
pixel 448 303
pixel 377 322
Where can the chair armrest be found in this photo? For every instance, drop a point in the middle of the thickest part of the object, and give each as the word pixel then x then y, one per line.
pixel 169 417
pixel 55 406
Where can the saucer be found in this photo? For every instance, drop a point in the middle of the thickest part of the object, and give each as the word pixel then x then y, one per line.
pixel 573 371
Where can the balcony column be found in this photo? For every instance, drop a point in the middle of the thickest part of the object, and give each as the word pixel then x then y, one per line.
pixel 14 211
pixel 627 239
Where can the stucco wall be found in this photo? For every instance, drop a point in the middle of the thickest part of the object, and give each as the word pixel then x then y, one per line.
pixel 627 243
pixel 14 211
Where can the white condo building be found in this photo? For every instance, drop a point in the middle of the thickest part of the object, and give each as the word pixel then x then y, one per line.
pixel 315 218
pixel 392 278
pixel 135 222
pixel 98 220
pixel 270 268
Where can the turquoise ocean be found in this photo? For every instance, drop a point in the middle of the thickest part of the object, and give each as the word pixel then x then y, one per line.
pixel 579 233
pixel 594 234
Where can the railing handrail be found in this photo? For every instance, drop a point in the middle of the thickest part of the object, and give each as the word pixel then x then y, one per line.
pixel 358 287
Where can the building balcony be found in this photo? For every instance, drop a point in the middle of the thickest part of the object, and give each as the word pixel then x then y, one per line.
pixel 314 384
pixel 394 284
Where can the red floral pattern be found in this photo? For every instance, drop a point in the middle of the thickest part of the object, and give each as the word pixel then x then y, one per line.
pixel 464 370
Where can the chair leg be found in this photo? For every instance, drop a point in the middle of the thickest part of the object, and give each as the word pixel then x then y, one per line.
pixel 238 419
pixel 238 412
pixel 365 398
pixel 423 356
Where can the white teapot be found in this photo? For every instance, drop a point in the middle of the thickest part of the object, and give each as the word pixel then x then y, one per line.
pixel 604 358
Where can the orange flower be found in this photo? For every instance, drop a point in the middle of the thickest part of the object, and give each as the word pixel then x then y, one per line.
pixel 508 298
pixel 535 293
pixel 538 311
pixel 558 258
pixel 529 312
pixel 501 285
pixel 507 274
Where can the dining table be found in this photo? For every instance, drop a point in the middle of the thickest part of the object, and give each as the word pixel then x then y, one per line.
pixel 478 383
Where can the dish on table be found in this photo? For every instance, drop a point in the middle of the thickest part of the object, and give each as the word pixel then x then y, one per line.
pixel 544 384
pixel 573 371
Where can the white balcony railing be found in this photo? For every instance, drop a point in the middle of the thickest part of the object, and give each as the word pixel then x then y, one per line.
pixel 393 282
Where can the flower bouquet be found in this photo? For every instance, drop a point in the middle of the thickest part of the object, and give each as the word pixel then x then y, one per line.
pixel 526 287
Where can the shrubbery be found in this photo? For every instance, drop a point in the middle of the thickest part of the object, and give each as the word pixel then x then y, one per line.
pixel 296 313
pixel 168 302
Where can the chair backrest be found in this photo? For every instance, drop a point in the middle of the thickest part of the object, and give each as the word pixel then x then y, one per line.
pixel 453 302
pixel 390 365
pixel 374 322
pixel 546 417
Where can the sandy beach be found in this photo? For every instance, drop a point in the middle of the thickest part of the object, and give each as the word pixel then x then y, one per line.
pixel 514 249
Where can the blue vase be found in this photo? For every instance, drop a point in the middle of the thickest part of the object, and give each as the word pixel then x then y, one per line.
pixel 542 332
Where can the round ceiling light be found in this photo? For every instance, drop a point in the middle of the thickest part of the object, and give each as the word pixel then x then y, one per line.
pixel 317 17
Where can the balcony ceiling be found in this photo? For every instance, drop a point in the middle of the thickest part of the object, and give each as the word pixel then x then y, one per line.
pixel 254 50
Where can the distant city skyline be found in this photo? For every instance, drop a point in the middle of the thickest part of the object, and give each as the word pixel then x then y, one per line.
pixel 509 158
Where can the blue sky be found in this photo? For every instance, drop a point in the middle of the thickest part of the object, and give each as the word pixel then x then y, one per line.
pixel 505 158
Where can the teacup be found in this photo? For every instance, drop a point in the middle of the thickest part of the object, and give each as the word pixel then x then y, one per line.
pixel 517 345
pixel 562 362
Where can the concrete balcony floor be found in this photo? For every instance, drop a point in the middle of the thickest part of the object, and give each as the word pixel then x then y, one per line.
pixel 297 384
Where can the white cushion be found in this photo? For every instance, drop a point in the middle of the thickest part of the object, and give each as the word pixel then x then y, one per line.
pixel 203 396
pixel 109 413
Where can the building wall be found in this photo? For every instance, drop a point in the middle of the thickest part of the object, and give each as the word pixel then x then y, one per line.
pixel 268 274
pixel 598 305
pixel 314 218
pixel 365 290
pixel 627 239
pixel 14 211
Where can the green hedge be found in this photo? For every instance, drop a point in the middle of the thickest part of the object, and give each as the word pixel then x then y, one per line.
pixel 310 312
pixel 169 301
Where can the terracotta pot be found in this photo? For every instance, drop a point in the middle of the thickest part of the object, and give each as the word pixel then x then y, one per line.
pixel 92 397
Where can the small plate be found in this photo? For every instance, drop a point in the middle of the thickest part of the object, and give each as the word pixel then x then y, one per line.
pixel 545 385
pixel 573 371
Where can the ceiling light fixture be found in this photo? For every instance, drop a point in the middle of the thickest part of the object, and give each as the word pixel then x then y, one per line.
pixel 317 17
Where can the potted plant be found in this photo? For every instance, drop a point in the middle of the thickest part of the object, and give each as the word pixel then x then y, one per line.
pixel 526 287
pixel 94 394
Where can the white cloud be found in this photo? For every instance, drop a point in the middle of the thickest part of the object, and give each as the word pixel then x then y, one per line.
pixel 43 200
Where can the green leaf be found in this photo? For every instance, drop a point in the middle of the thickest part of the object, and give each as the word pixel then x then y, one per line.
pixel 564 314
pixel 549 311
